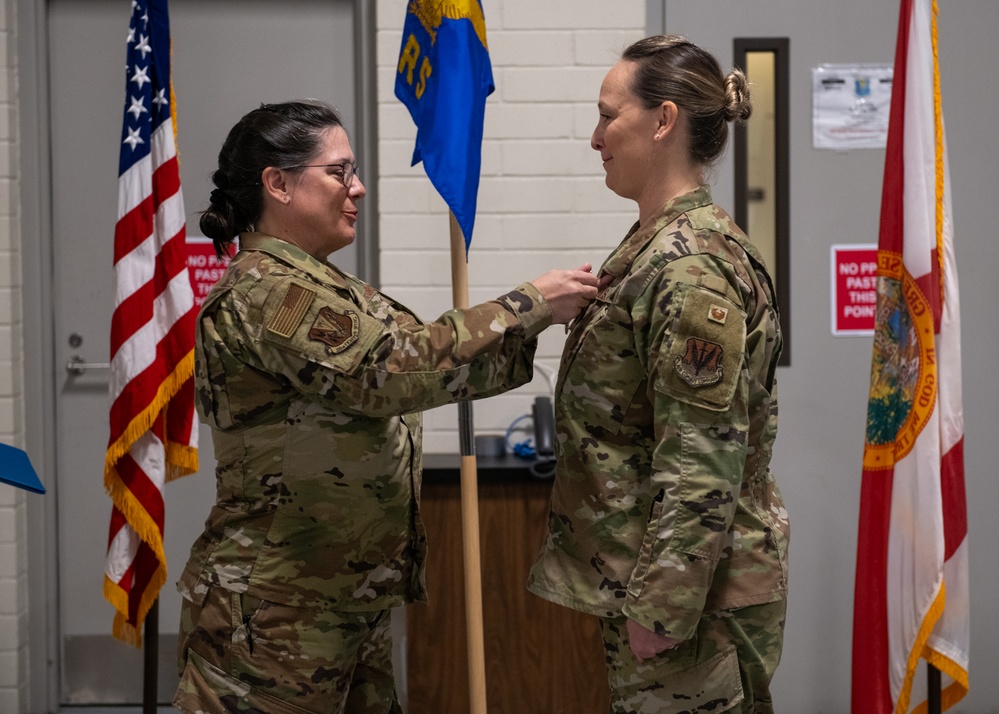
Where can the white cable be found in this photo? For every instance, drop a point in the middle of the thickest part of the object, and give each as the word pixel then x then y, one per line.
pixel 551 374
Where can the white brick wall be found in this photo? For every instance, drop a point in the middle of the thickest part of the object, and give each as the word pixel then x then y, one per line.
pixel 13 508
pixel 542 200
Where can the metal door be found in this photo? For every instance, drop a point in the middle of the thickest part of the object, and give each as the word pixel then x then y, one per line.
pixel 228 57
pixel 834 197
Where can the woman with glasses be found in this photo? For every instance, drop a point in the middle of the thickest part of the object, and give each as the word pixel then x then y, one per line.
pixel 665 521
pixel 312 382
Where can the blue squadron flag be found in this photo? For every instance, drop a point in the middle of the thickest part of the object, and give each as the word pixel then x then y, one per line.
pixel 16 469
pixel 443 77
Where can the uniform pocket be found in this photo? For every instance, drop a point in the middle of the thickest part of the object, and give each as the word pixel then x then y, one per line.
pixel 601 370
pixel 321 326
pixel 715 684
pixel 702 360
pixel 706 499
pixel 649 549
pixel 286 653
pixel 204 688
pixel 667 684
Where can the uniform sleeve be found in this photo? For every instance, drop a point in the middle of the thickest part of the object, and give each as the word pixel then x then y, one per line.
pixel 698 392
pixel 323 343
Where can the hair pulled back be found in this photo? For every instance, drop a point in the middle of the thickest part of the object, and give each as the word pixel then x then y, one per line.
pixel 671 68
pixel 281 135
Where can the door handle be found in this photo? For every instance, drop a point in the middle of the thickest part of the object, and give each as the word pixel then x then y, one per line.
pixel 77 365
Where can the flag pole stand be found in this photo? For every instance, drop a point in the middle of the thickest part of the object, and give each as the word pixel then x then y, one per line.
pixel 150 665
pixel 469 500
pixel 932 690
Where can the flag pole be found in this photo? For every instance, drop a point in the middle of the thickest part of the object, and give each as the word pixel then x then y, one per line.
pixel 933 700
pixel 469 500
pixel 150 668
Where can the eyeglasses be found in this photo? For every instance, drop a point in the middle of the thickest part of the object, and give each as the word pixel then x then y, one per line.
pixel 348 170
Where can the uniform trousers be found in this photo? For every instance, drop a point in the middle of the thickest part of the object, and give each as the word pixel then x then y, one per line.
pixel 726 667
pixel 241 654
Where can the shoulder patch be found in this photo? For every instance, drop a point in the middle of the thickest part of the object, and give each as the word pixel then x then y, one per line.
pixel 291 311
pixel 336 331
pixel 701 362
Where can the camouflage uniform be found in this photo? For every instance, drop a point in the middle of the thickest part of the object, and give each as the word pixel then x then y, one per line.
pixel 664 509
pixel 311 380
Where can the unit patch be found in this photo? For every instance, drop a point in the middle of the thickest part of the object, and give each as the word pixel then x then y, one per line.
pixel 700 365
pixel 291 311
pixel 336 331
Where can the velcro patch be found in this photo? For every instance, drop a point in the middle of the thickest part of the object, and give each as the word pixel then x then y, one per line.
pixel 336 331
pixel 291 311
pixel 700 364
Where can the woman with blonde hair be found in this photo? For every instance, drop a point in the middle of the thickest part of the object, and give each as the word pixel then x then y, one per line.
pixel 665 520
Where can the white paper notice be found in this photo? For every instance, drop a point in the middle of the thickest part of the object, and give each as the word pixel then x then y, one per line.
pixel 850 105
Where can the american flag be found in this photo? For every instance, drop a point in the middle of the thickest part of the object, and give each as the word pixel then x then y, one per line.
pixel 154 435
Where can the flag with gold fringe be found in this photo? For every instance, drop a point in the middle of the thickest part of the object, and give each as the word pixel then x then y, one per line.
pixel 911 592
pixel 154 432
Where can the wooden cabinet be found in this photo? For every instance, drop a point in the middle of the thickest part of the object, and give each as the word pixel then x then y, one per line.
pixel 540 658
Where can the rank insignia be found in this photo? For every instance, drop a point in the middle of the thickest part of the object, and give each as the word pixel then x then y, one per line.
pixel 337 332
pixel 700 365
pixel 717 313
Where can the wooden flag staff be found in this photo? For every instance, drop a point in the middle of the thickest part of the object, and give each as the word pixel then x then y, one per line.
pixel 469 500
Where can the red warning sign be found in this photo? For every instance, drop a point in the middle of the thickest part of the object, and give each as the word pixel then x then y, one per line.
pixel 204 266
pixel 854 289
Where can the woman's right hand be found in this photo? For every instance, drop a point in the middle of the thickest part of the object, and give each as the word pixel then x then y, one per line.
pixel 646 644
pixel 568 291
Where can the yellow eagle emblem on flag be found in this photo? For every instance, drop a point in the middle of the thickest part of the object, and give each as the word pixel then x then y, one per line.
pixel 431 13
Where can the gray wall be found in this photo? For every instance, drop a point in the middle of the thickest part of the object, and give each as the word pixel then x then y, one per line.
pixel 835 198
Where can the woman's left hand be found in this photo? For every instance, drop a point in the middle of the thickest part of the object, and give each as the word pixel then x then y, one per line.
pixel 646 644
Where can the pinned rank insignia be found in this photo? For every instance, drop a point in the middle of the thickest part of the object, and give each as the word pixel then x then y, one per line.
pixel 336 331
pixel 700 365
pixel 717 313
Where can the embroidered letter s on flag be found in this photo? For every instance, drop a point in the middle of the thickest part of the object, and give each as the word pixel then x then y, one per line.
pixel 443 77
pixel 911 596
pixel 154 433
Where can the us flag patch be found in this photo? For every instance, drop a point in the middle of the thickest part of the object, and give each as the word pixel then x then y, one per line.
pixel 291 311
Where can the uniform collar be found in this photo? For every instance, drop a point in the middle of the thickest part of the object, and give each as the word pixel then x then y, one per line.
pixel 641 234
pixel 294 256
